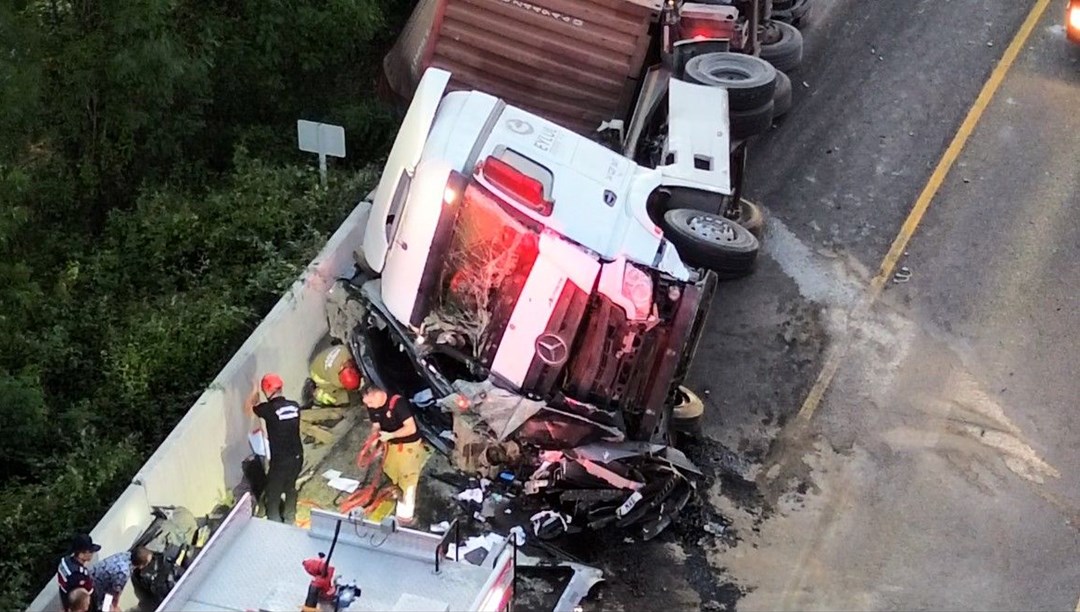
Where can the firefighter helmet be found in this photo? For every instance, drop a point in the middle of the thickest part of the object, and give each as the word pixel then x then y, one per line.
pixel 349 377
pixel 271 384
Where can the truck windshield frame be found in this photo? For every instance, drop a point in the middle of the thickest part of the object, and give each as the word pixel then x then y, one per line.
pixel 479 271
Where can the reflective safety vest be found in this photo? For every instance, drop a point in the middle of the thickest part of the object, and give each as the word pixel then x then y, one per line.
pixel 326 366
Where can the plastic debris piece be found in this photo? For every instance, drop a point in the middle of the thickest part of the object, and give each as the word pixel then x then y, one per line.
pixel 518 534
pixel 473 495
pixel 715 528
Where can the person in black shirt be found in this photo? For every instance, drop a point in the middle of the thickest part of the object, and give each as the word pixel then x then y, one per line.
pixel 393 419
pixel 282 418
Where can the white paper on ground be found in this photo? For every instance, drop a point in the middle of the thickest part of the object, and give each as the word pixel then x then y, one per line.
pixel 476 495
pixel 344 484
pixel 488 542
pixel 331 474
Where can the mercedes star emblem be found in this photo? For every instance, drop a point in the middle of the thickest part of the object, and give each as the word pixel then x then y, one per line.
pixel 518 126
pixel 551 349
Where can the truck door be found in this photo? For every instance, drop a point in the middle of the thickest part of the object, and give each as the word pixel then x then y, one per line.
pixel 394 183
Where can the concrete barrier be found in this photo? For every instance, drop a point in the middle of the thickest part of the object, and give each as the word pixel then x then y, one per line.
pixel 199 461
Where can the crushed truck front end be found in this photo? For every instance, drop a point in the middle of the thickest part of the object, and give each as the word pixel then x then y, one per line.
pixel 529 251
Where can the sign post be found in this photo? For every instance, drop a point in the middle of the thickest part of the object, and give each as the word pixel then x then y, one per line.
pixel 322 138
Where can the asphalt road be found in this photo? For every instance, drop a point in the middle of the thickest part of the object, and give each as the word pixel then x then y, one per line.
pixel 939 471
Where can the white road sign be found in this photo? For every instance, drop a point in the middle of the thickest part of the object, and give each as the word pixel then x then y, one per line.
pixel 322 138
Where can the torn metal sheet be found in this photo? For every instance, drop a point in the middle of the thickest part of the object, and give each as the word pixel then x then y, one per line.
pixel 554 428
pixel 608 476
pixel 606 452
pixel 584 579
pixel 503 411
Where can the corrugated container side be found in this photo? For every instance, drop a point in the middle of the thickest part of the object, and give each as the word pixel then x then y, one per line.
pixel 573 61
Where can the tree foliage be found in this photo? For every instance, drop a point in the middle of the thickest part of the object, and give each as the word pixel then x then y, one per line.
pixel 152 210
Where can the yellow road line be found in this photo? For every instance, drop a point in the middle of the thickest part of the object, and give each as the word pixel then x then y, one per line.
pixel 911 223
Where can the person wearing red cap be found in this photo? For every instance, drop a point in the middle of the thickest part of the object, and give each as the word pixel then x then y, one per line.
pixel 334 373
pixel 282 417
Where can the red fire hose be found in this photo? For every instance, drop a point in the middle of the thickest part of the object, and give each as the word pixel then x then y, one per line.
pixel 369 497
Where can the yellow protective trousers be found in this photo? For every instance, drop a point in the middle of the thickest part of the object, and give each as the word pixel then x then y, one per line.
pixel 404 462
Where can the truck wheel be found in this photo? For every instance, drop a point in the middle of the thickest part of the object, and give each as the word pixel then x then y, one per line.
pixel 711 241
pixel 796 13
pixel 750 80
pixel 782 96
pixel 747 123
pixel 687 415
pixel 782 45
pixel 752 217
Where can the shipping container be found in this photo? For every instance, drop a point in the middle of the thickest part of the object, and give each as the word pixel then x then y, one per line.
pixel 575 62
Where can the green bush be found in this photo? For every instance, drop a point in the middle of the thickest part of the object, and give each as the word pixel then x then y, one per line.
pixel 151 212
pixel 139 327
pixel 37 519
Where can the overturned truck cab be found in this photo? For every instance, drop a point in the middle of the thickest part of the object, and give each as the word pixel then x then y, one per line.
pixel 510 262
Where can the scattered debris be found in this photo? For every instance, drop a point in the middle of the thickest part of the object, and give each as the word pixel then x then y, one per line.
pixel 714 528
pixel 902 275
pixel 518 534
pixel 348 485
pixel 474 495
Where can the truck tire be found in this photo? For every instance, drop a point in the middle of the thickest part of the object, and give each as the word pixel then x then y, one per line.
pixel 750 80
pixel 796 14
pixel 747 123
pixel 782 45
pixel 782 96
pixel 711 241
pixel 688 413
pixel 752 217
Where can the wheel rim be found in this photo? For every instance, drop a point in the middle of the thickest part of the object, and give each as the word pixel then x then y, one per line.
pixel 770 34
pixel 729 74
pixel 711 229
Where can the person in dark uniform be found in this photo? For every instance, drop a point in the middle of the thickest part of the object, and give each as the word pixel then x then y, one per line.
pixel 72 573
pixel 392 418
pixel 282 417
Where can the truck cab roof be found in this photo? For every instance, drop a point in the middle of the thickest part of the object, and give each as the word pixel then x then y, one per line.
pixel 598 197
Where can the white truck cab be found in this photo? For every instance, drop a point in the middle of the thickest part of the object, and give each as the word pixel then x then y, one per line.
pixel 532 250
